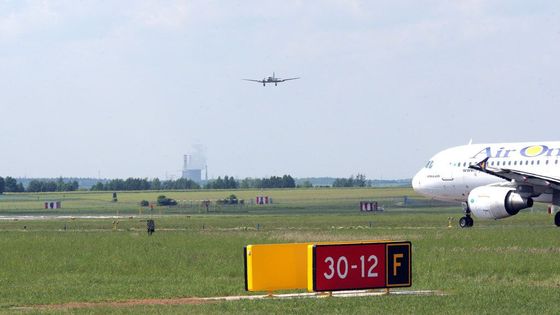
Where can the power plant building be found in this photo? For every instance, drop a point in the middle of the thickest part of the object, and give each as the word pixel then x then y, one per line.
pixel 193 166
pixel 194 175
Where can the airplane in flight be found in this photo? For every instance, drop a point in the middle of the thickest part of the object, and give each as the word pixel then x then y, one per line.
pixel 493 181
pixel 272 79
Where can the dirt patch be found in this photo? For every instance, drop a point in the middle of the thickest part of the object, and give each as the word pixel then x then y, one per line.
pixel 127 303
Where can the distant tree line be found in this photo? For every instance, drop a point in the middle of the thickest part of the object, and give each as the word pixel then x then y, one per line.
pixel 227 182
pixel 219 183
pixel 145 184
pixel 9 184
pixel 285 181
pixel 358 181
pixel 50 186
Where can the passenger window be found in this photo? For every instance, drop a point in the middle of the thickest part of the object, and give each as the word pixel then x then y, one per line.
pixel 509 162
pixel 533 162
pixel 538 162
pixel 514 162
pixel 526 162
pixel 546 162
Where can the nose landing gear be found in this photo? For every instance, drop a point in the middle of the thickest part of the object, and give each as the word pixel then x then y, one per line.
pixel 557 219
pixel 467 221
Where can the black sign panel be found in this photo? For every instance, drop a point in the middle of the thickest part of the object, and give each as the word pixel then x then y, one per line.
pixel 398 261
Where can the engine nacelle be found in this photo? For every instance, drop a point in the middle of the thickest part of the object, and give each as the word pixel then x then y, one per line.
pixel 497 202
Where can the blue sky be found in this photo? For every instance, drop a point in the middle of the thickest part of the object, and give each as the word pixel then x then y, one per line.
pixel 125 88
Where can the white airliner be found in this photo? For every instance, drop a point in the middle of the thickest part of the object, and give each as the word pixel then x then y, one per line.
pixel 493 181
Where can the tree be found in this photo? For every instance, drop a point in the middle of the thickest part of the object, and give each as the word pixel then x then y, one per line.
pixel 360 180
pixel 35 186
pixel 288 182
pixel 344 182
pixel 2 185
pixel 73 186
pixel 11 184
pixel 231 183
pixel 60 184
pixel 306 184
pixel 156 184
pixel 98 187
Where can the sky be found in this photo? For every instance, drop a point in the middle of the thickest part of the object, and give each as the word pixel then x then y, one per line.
pixel 119 89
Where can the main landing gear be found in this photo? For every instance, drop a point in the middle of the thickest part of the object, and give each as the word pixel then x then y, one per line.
pixel 467 221
pixel 557 218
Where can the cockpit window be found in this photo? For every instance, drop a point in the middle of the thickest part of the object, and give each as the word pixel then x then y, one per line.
pixel 429 164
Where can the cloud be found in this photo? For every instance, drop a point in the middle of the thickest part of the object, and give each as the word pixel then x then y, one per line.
pixel 166 15
pixel 28 17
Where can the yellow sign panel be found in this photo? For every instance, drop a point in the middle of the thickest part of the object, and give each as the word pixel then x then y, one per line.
pixel 271 267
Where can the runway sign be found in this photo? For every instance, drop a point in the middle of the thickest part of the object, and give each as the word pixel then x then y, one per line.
pixel 272 267
pixel 334 267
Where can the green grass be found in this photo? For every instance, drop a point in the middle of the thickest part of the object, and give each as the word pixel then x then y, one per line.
pixel 507 266
pixel 333 199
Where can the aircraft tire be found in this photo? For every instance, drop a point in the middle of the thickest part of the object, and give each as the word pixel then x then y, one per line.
pixel 557 218
pixel 470 222
pixel 463 222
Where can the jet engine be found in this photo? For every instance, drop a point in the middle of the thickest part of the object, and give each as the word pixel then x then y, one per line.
pixel 494 202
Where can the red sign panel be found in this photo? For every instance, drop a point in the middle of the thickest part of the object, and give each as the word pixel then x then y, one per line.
pixel 361 266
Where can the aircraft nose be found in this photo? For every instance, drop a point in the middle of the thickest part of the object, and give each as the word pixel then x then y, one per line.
pixel 416 182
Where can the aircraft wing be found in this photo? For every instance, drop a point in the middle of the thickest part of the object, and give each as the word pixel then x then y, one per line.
pixel 517 175
pixel 260 81
pixel 288 79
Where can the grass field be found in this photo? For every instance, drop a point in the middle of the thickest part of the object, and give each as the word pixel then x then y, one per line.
pixel 190 201
pixel 508 266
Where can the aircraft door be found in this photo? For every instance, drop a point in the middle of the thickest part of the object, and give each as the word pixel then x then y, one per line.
pixel 448 181
pixel 447 174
